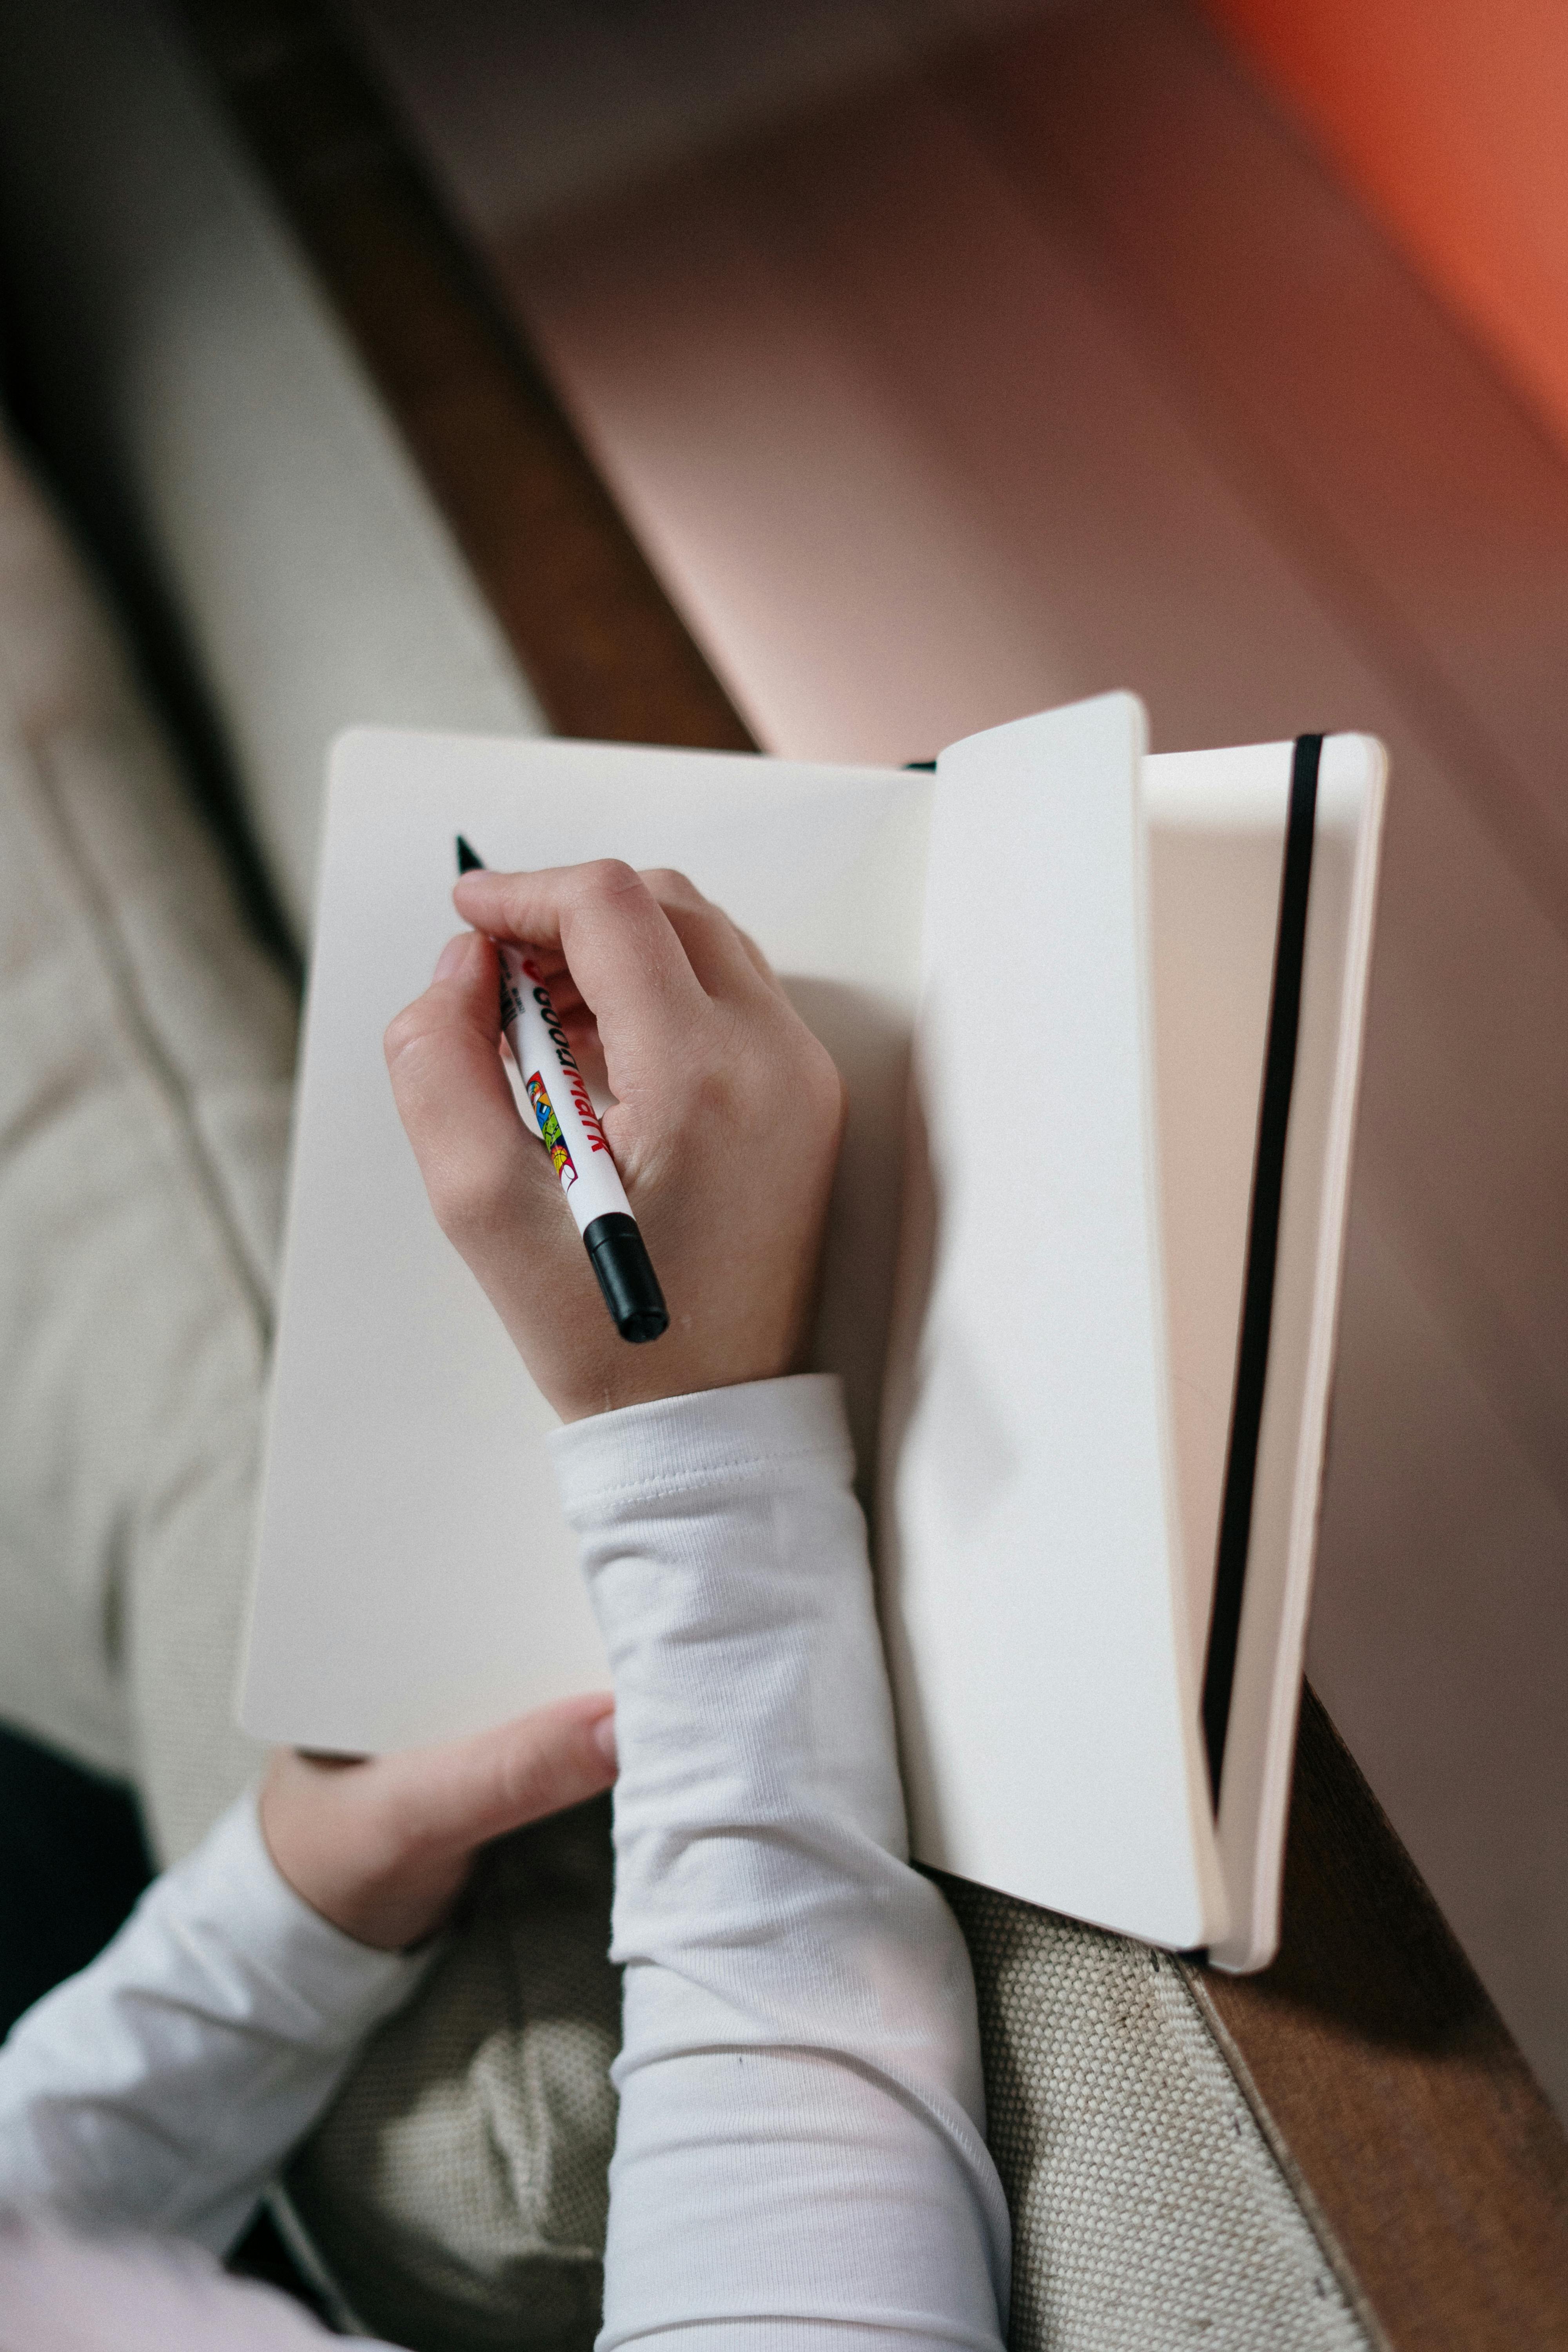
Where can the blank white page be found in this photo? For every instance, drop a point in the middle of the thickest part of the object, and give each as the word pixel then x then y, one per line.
pixel 415 1576
pixel 1030 1549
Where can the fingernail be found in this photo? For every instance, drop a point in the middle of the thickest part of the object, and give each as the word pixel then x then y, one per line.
pixel 604 1738
pixel 452 955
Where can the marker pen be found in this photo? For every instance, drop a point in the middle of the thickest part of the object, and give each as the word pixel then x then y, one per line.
pixel 570 1130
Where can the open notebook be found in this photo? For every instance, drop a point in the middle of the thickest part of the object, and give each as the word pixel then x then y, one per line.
pixel 1099 1018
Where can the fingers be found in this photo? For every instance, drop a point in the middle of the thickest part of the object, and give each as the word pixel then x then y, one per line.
pixel 616 941
pixel 477 1159
pixel 381 1846
pixel 725 962
pixel 582 1029
pixel 723 959
pixel 454 1798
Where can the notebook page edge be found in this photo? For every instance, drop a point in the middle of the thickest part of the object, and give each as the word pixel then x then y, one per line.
pixel 1266 1698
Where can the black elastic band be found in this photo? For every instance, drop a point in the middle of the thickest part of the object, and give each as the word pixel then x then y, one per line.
pixel 1262 1250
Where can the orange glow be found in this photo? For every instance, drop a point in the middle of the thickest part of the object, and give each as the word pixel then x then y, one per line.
pixel 1451 119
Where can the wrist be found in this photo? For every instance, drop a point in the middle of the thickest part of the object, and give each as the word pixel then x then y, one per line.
pixel 634 1385
pixel 258 1910
pixel 391 1906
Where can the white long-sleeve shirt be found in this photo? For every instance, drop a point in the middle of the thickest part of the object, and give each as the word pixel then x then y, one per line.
pixel 800 2150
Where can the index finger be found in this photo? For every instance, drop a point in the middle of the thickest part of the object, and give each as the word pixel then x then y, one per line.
pixel 618 944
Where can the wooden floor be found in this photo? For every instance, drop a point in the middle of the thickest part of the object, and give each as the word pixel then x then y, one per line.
pixel 971 378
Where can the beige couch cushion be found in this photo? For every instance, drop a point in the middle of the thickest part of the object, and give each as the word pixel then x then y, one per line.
pixel 143 1109
pixel 1148 2209
pixel 146 1047
pixel 457 2191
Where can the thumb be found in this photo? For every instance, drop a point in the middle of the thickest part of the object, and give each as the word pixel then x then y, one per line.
pixel 456 1797
pixel 454 1098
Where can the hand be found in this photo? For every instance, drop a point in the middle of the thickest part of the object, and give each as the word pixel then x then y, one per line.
pixel 382 1846
pixel 725 1130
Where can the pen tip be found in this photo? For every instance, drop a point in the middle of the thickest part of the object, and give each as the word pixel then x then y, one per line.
pixel 467 859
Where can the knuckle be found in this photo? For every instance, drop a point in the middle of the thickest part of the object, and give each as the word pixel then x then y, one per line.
pixel 606 879
pixel 825 1081
pixel 668 882
pixel 754 951
pixel 800 1071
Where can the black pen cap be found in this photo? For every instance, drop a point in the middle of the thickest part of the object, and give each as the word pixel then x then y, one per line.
pixel 630 1285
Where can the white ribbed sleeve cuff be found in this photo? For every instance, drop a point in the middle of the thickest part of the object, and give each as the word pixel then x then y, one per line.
pixel 764 1433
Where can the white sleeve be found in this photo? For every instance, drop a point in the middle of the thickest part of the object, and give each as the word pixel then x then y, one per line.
pixel 800 2151
pixel 160 2088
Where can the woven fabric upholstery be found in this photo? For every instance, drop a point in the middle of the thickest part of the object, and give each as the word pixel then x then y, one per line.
pixel 145 1091
pixel 457 2191
pixel 1148 2210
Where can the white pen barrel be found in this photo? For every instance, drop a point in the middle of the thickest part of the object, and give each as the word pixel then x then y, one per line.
pixel 563 1107
pixel 569 1128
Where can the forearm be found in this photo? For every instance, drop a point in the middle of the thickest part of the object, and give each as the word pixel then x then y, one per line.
pixel 160 2089
pixel 801 2129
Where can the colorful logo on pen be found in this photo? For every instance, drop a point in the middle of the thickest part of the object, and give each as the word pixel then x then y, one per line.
pixel 550 1129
